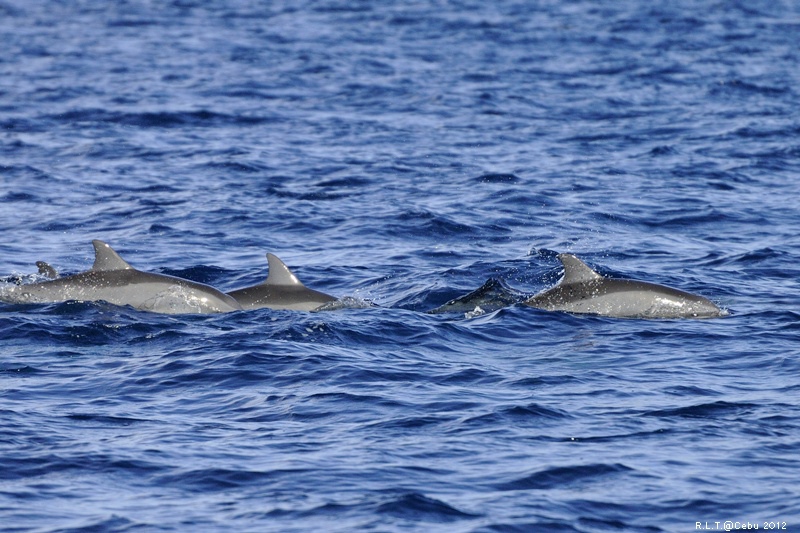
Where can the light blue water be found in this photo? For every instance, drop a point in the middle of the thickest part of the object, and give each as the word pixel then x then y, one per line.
pixel 402 154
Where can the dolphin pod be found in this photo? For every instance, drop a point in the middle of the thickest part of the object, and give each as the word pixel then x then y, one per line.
pixel 584 291
pixel 113 280
pixel 281 289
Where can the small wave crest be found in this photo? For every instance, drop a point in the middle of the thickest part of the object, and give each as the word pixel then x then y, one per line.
pixel 563 476
pixel 418 507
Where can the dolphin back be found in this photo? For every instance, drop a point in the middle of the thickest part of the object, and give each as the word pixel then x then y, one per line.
pixel 111 279
pixel 582 290
pixel 281 290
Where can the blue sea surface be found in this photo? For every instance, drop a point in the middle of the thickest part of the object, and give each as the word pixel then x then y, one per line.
pixel 398 155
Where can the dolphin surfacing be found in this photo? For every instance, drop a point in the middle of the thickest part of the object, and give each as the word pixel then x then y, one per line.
pixel 582 290
pixel 111 279
pixel 281 290
pixel 491 296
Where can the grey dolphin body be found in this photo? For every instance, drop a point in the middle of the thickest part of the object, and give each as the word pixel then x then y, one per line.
pixel 582 290
pixel 111 279
pixel 281 290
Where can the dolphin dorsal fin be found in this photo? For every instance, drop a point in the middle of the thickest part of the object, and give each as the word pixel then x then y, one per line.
pixel 279 273
pixel 576 271
pixel 105 258
pixel 46 270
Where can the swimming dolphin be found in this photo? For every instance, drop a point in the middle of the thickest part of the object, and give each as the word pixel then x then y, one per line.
pixel 111 279
pixel 281 290
pixel 582 290
pixel 491 296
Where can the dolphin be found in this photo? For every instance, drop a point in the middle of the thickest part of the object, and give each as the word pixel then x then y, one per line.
pixel 491 296
pixel 111 279
pixel 582 290
pixel 281 290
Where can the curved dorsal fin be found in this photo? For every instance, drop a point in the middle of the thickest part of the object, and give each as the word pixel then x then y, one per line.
pixel 46 270
pixel 576 271
pixel 105 258
pixel 279 273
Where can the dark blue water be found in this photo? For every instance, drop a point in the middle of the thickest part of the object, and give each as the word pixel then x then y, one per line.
pixel 402 153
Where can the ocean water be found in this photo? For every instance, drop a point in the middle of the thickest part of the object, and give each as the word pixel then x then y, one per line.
pixel 398 155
